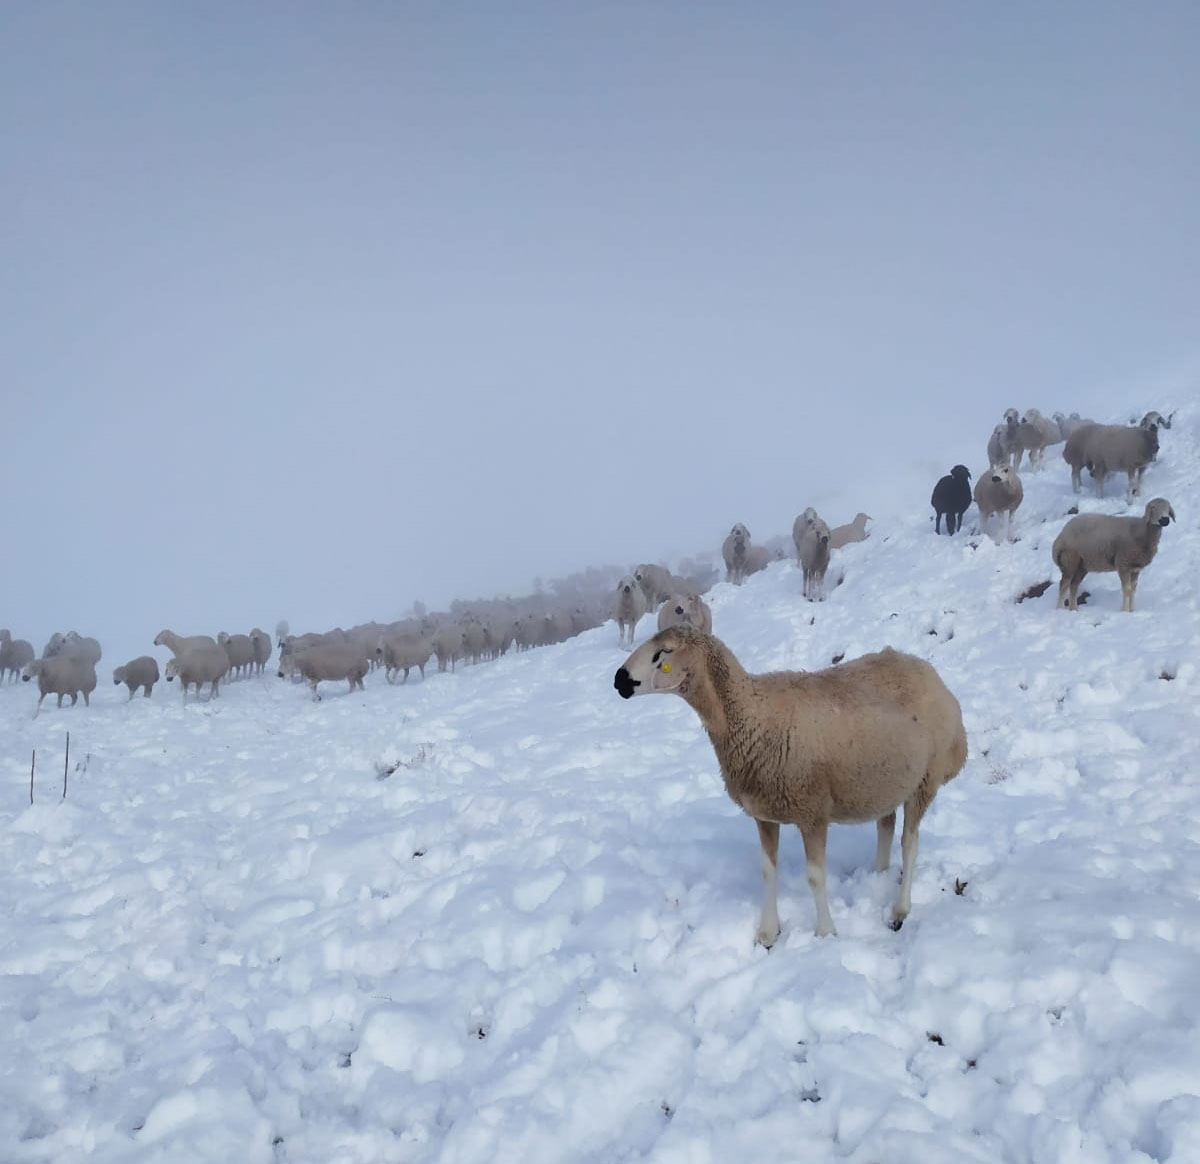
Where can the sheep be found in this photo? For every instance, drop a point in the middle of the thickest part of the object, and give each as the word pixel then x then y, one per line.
pixel 61 675
pixel 260 642
pixel 657 583
pixel 733 550
pixel 1034 434
pixel 328 660
pixel 999 490
pixel 447 644
pixel 14 654
pixel 54 644
pixel 1001 446
pixel 629 605
pixel 177 644
pixel 854 531
pixel 1109 448
pixel 282 630
pixel 843 745
pixel 239 650
pixel 952 498
pixel 812 552
pixel 1098 542
pixel 685 609
pixel 200 663
pixel 140 672
pixel 1068 424
pixel 403 652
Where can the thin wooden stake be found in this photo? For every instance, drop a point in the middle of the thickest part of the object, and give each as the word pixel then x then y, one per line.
pixel 66 761
pixel 32 765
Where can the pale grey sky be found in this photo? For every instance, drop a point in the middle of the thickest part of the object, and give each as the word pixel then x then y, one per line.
pixel 313 309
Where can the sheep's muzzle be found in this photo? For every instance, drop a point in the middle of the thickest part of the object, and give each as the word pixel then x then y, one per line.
pixel 625 683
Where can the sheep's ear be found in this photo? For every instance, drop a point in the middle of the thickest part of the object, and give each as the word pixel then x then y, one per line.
pixel 1171 513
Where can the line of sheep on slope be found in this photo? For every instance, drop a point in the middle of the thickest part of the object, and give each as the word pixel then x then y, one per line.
pixel 1088 542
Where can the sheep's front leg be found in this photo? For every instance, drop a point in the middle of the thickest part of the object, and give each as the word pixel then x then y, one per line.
pixel 768 922
pixel 914 809
pixel 814 855
pixel 885 828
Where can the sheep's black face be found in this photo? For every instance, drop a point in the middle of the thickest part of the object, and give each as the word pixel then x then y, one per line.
pixel 625 683
pixel 26 678
pixel 1164 520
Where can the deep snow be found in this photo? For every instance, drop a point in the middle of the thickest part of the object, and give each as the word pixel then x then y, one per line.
pixel 239 939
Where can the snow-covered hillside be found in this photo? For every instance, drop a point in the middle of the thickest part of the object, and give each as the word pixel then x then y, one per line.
pixel 241 939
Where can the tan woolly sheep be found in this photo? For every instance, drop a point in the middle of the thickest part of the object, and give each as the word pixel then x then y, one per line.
pixel 1098 542
pixel 202 663
pixel 140 672
pixel 177 644
pixel 326 661
pixel 629 604
pixel 60 675
pixel 14 655
pixel 734 550
pixel 853 531
pixel 843 745
pixel 685 610
pixel 999 490
pixel 812 552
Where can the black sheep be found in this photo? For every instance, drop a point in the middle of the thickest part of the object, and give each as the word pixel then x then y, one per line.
pixel 952 497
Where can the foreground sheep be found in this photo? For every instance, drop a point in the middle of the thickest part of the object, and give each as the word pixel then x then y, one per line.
pixel 951 498
pixel 327 661
pixel 999 490
pixel 812 552
pixel 734 550
pixel 853 531
pixel 843 745
pixel 14 655
pixel 685 610
pixel 140 672
pixel 1097 542
pixel 202 663
pixel 61 675
pixel 629 604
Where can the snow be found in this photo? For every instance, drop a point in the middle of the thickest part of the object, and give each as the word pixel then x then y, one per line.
pixel 240 939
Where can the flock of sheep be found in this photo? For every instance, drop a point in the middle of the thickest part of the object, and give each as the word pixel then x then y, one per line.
pixel 1091 542
pixel 850 743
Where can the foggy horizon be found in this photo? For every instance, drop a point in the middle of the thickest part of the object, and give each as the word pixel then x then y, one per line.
pixel 312 313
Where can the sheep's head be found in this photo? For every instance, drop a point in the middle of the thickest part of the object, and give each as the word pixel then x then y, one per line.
pixel 172 669
pixel 663 664
pixel 160 639
pixel 118 675
pixel 740 533
pixel 1001 474
pixel 1159 512
pixel 31 669
pixel 821 532
pixel 627 585
pixel 961 473
pixel 1011 416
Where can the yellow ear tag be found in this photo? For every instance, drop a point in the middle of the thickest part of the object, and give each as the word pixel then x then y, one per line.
pixel 665 667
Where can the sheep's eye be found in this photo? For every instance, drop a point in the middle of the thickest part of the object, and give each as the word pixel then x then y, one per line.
pixel 657 656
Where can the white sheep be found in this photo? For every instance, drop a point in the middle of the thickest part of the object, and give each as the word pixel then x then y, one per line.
pixel 734 550
pixel 140 672
pixel 327 661
pixel 853 531
pixel 260 641
pixel 239 650
pixel 14 655
pixel 812 552
pixel 629 604
pixel 1035 434
pixel 62 674
pixel 403 652
pixel 199 663
pixel 685 610
pixel 1099 542
pixel 177 644
pixel 1112 448
pixel 842 745
pixel 999 490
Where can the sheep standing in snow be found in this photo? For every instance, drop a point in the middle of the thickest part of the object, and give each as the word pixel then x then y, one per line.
pixel 843 745
pixel 999 490
pixel 260 643
pixel 629 605
pixel 812 552
pixel 1111 448
pixel 854 531
pixel 1035 434
pixel 240 652
pixel 734 550
pixel 14 655
pixel 62 674
pixel 177 644
pixel 140 672
pixel 951 498
pixel 403 652
pixel 1097 542
pixel 200 663
pixel 327 661
pixel 685 610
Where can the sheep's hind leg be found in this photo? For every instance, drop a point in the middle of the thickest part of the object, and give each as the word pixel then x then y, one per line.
pixel 885 829
pixel 814 855
pixel 914 809
pixel 768 922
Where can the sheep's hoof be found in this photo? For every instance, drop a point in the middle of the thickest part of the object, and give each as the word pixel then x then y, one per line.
pixel 896 922
pixel 826 931
pixel 766 939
